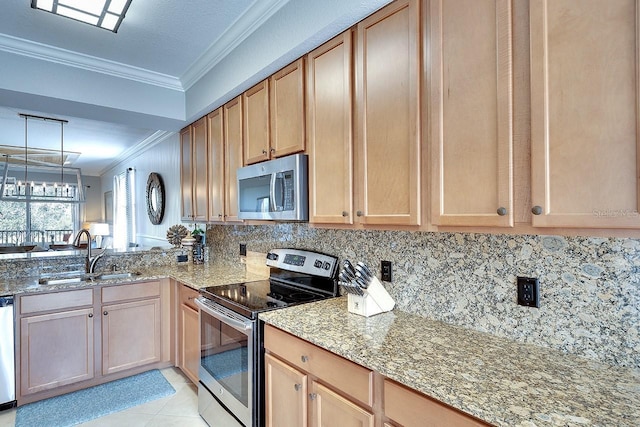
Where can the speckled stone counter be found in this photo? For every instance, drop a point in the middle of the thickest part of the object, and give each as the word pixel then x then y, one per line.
pixel 495 379
pixel 195 276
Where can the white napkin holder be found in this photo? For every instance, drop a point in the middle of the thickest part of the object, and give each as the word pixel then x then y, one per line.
pixel 375 300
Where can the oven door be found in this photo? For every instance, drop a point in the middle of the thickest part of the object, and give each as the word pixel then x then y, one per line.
pixel 226 363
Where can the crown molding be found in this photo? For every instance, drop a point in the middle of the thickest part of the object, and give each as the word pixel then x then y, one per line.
pixel 147 143
pixel 86 62
pixel 259 12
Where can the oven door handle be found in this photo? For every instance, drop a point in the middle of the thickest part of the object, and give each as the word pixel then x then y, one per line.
pixel 231 321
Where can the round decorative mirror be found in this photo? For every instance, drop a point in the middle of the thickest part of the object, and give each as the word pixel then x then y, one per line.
pixel 155 198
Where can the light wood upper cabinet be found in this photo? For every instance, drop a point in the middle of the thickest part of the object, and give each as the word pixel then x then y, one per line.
pixel 233 155
pixel 193 172
pixel 256 123
pixel 329 131
pixel 470 101
pixel 388 108
pixel 215 128
pixel 584 104
pixel 286 101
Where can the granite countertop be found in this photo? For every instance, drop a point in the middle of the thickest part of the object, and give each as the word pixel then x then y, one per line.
pixel 194 276
pixel 495 379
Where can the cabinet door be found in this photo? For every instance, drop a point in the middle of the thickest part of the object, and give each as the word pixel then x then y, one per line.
pixel 200 171
pixel 55 350
pixel 190 342
pixel 329 132
pixel 285 394
pixel 130 335
pixel 471 113
pixel 255 102
pixel 216 165
pixel 330 409
pixel 584 107
pixel 387 105
pixel 233 155
pixel 186 174
pixel 286 93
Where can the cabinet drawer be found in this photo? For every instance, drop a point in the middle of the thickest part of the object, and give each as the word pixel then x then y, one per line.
pixel 348 377
pixel 55 301
pixel 410 408
pixel 132 291
pixel 188 295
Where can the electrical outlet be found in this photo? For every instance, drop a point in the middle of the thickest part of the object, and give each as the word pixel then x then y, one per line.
pixel 243 249
pixel 529 292
pixel 385 267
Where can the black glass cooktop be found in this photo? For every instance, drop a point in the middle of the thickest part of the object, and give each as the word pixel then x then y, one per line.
pixel 250 298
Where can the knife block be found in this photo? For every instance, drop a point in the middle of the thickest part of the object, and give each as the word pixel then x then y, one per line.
pixel 375 300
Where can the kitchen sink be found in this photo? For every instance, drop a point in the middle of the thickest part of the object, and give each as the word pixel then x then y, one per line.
pixel 113 276
pixel 62 280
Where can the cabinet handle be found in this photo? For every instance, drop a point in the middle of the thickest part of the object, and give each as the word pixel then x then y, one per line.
pixel 264 151
pixel 312 396
pixel 359 213
pixel 105 312
pixel 536 210
pixel 297 386
pixel 345 213
pixel 90 314
pixel 219 215
pixel 190 298
pixel 273 151
pixel 502 211
pixel 304 359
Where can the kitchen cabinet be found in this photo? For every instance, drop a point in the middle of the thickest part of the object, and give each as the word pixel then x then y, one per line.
pixel 193 171
pixel 257 143
pixel 131 326
pixel 274 115
pixel 189 333
pixel 232 124
pixel 388 139
pixel 69 340
pixel 340 391
pixel 329 131
pixel 405 407
pixel 584 113
pixel 56 340
pixel 224 126
pixel 470 100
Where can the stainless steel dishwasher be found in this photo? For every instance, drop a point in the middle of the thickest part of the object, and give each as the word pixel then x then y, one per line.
pixel 7 361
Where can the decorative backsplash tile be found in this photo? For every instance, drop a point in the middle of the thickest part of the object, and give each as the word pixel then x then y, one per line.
pixel 589 286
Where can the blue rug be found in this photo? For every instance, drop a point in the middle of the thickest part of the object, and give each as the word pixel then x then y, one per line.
pixel 85 405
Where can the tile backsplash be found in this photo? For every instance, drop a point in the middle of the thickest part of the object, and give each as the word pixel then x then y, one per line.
pixel 589 286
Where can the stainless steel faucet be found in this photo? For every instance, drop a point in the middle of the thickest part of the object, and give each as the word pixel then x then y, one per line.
pixel 90 262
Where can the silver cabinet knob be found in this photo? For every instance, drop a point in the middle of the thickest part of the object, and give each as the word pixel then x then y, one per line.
pixel 359 213
pixel 297 387
pixel 536 210
pixel 312 396
pixel 502 211
pixel 105 312
pixel 90 314
pixel 273 150
pixel 345 213
pixel 264 151
pixel 304 359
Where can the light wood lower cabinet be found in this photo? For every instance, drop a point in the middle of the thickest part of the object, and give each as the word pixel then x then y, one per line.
pixel 309 386
pixel 189 334
pixel 70 340
pixel 340 392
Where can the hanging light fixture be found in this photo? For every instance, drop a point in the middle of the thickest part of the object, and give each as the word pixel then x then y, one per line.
pixel 107 14
pixel 40 160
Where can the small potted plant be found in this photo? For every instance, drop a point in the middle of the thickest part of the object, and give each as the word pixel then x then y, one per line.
pixel 197 233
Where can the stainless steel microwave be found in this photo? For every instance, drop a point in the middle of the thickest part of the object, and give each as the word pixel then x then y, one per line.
pixel 274 190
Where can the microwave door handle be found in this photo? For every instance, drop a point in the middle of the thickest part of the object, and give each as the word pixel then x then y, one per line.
pixel 272 193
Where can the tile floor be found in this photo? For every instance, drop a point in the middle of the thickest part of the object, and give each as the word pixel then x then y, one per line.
pixel 177 410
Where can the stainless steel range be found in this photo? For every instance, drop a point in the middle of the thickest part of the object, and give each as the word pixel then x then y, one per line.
pixel 231 389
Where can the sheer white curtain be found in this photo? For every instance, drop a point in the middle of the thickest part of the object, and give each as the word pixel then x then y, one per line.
pixel 124 209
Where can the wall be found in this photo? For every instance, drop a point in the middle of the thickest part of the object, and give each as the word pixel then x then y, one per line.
pixel 164 159
pixel 590 287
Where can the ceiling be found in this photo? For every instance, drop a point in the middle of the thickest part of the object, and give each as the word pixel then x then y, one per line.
pixel 167 41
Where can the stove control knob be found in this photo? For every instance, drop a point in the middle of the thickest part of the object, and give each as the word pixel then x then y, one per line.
pixel 272 256
pixel 326 265
pixel 317 264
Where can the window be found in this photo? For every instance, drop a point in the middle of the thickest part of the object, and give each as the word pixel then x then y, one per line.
pixel 124 228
